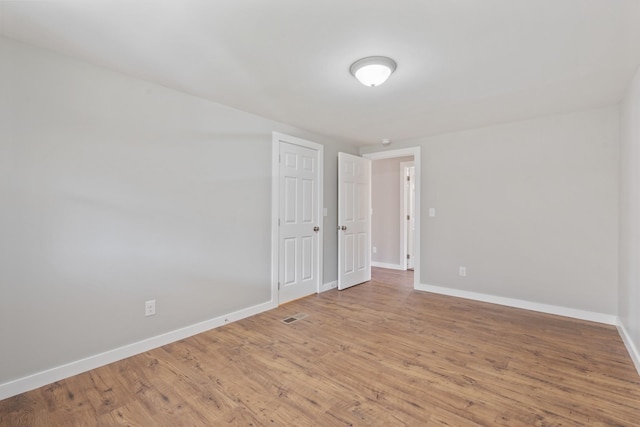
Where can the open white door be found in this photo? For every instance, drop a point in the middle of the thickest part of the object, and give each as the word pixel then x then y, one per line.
pixel 412 219
pixel 408 229
pixel 354 220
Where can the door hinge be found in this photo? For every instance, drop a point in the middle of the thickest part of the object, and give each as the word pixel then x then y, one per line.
pixel 408 178
pixel 279 158
pixel 408 256
pixel 278 285
pixel 278 222
pixel 408 217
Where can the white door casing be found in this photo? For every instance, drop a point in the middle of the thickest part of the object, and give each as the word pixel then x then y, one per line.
pixel 298 205
pixel 354 220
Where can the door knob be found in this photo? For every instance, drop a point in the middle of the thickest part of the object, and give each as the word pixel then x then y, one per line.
pixel 316 228
pixel 343 228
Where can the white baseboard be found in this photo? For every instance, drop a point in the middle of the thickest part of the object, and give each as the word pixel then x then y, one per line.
pixel 608 319
pixel 387 265
pixel 49 376
pixel 328 286
pixel 628 342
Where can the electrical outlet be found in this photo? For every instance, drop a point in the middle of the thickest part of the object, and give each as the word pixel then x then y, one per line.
pixel 375 250
pixel 463 271
pixel 150 308
pixel 432 212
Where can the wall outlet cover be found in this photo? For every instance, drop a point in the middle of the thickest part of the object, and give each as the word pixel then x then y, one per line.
pixel 150 307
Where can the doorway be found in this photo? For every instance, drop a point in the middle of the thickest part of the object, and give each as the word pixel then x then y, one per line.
pixel 414 154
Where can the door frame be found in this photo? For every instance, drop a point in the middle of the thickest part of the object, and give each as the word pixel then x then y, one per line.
pixel 417 163
pixel 404 209
pixel 275 207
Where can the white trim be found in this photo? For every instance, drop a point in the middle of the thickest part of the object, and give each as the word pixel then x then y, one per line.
pixel 275 204
pixel 387 265
pixel 608 319
pixel 328 286
pixel 392 154
pixel 58 373
pixel 628 342
pixel 403 152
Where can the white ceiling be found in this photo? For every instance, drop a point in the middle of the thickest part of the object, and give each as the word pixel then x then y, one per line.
pixel 461 63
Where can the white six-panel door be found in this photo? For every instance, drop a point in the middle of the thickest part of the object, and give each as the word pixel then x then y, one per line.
pixel 354 220
pixel 299 223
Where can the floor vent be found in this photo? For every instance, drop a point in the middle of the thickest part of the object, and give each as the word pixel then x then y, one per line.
pixel 294 318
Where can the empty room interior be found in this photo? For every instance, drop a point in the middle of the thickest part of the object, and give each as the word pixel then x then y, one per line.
pixel 437 224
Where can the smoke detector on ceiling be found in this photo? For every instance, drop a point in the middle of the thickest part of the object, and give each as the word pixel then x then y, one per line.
pixel 386 141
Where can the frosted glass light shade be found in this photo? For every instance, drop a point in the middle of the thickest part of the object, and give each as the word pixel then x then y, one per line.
pixel 373 70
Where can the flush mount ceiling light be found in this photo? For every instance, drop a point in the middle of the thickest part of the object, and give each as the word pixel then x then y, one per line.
pixel 373 70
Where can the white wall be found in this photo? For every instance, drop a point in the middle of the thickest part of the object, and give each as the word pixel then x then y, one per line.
pixel 629 306
pixel 114 191
pixel 529 208
pixel 386 201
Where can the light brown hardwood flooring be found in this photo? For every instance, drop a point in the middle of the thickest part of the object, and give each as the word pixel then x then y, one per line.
pixel 378 354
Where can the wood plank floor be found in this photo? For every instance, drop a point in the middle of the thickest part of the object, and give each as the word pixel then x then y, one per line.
pixel 379 354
